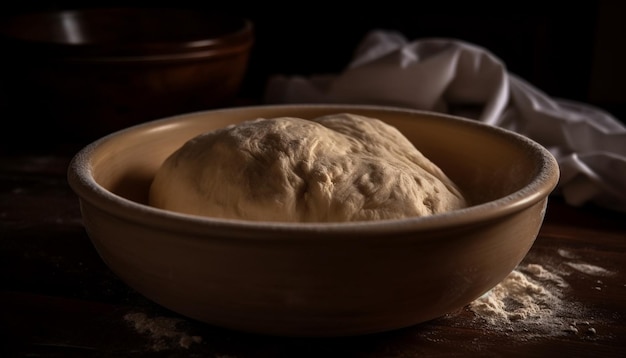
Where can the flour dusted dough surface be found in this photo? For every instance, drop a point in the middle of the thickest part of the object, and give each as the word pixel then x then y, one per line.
pixel 335 168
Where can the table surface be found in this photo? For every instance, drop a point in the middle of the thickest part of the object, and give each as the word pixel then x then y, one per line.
pixel 58 299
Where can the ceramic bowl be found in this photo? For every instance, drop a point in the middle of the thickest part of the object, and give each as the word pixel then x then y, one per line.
pixel 317 279
pixel 85 73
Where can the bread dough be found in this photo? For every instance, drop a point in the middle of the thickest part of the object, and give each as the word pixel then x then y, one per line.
pixel 336 168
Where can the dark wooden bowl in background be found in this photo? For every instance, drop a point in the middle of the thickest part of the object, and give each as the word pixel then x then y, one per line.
pixel 76 75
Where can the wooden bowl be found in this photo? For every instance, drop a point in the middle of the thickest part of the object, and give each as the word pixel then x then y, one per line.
pixel 317 279
pixel 86 73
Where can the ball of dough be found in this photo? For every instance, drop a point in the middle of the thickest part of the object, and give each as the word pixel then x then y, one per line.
pixel 336 168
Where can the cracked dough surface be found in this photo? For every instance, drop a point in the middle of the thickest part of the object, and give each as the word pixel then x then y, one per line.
pixel 336 168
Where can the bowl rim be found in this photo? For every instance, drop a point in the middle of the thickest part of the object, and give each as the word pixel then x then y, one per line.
pixel 82 182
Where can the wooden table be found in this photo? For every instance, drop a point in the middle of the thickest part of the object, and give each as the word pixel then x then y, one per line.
pixel 58 299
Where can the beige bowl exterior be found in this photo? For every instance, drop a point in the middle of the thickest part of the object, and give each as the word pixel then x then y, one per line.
pixel 317 279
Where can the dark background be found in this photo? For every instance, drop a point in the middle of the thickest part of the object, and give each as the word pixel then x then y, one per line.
pixel 572 50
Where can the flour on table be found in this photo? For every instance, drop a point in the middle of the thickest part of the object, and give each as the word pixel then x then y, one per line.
pixel 162 331
pixel 567 254
pixel 517 298
pixel 589 269
pixel 541 273
pixel 530 303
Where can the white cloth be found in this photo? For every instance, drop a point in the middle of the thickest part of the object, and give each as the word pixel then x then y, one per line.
pixel 452 76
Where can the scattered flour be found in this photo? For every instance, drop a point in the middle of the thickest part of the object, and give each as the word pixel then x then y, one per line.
pixel 589 269
pixel 162 331
pixel 567 254
pixel 516 298
pixel 530 303
pixel 543 274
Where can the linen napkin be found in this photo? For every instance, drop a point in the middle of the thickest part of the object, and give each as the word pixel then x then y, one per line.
pixel 452 76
